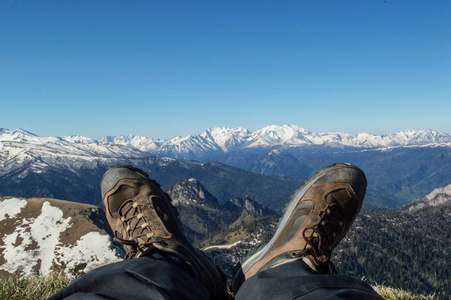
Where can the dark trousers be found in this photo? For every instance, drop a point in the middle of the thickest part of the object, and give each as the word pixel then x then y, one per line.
pixel 163 278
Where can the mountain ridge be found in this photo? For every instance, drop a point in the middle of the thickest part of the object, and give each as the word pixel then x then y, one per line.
pixel 414 164
pixel 221 140
pixel 438 196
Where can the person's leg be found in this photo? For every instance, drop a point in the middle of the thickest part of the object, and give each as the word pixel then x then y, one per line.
pixel 295 280
pixel 146 277
pixel 160 262
pixel 295 264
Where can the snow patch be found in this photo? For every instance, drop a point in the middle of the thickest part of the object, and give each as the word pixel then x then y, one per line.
pixel 17 257
pixel 45 230
pixel 223 246
pixel 9 208
pixel 89 249
pixel 35 244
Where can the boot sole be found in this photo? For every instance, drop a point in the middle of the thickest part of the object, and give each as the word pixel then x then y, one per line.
pixel 113 175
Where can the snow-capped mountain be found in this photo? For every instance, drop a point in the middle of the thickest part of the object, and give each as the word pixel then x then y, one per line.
pixel 221 140
pixel 226 138
pixel 59 166
pixel 23 141
pixel 213 141
pixel 135 141
pixel 20 147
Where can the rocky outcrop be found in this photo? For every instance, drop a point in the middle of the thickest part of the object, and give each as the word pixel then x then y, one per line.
pixel 203 216
pixel 248 205
pixel 436 197
pixel 191 191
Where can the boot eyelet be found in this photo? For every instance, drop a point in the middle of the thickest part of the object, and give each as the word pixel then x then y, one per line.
pixel 296 254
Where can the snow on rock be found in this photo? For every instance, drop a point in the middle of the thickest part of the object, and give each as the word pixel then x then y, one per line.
pixel 9 208
pixel 46 230
pixel 89 249
pixel 15 253
pixel 31 245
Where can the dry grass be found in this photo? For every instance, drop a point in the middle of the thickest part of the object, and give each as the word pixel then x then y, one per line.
pixel 389 293
pixel 16 287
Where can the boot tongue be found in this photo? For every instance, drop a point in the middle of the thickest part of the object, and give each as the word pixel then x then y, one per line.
pixel 348 205
pixel 115 201
pixel 126 209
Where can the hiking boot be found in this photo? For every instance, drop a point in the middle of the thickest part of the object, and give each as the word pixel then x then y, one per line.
pixel 318 216
pixel 144 220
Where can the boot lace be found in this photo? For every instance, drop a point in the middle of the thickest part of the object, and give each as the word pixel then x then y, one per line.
pixel 321 238
pixel 138 233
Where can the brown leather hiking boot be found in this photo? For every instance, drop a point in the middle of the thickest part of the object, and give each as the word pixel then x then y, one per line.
pixel 318 216
pixel 144 220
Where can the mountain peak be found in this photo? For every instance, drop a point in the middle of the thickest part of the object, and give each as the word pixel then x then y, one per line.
pixel 18 134
pixel 226 138
pixel 23 131
pixel 248 205
pixel 191 191
pixel 78 139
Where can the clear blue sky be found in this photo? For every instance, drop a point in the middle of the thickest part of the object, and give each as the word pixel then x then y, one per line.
pixel 167 68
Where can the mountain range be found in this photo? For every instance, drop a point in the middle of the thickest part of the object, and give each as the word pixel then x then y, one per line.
pixel 267 164
pixel 221 140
